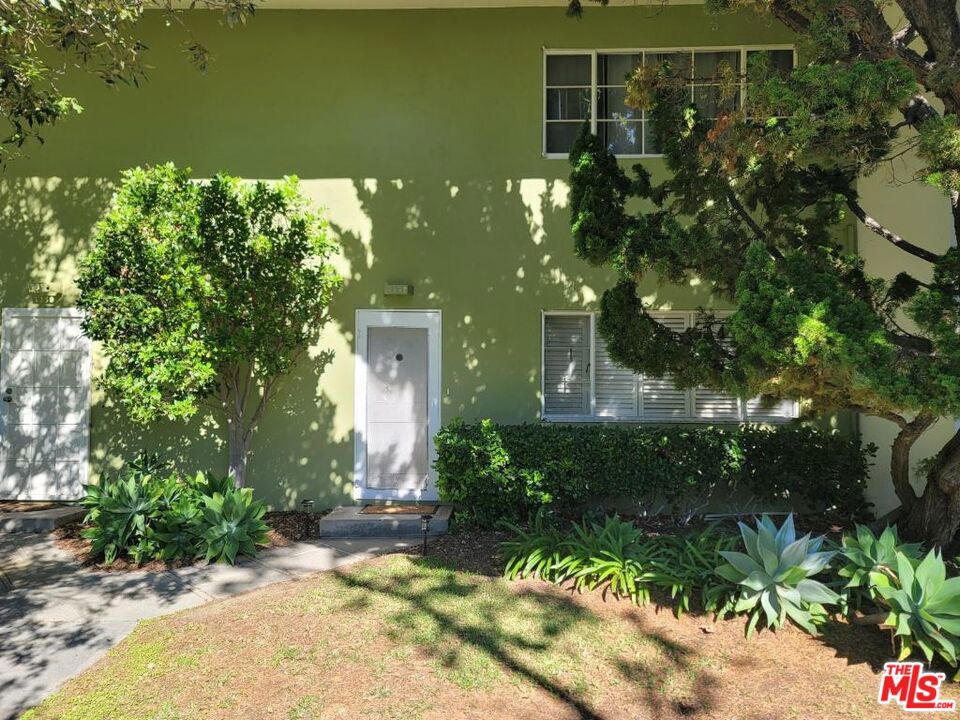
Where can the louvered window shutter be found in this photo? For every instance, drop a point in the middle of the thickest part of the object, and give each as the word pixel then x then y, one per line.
pixel 660 399
pixel 760 409
pixel 713 405
pixel 566 359
pixel 617 388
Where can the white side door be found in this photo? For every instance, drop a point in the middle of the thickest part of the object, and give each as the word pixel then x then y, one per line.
pixel 44 404
pixel 397 404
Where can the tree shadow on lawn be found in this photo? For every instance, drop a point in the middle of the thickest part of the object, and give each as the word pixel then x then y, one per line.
pixel 548 622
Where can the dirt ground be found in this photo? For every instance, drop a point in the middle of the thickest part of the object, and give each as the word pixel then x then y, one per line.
pixel 443 637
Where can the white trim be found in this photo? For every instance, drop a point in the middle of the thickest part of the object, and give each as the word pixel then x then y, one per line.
pixel 431 320
pixel 543 351
pixel 594 52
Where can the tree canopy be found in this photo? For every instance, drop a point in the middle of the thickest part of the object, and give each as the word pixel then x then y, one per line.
pixel 205 295
pixel 754 204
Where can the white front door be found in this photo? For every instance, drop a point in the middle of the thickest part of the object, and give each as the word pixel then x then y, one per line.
pixel 397 404
pixel 44 404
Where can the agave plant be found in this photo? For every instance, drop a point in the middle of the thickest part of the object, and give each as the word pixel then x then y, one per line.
pixel 924 608
pixel 775 574
pixel 871 562
pixel 119 511
pixel 232 525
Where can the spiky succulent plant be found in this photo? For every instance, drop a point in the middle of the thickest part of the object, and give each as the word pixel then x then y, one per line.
pixel 776 576
pixel 871 562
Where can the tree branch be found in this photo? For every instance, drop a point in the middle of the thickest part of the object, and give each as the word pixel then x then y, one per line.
pixel 875 227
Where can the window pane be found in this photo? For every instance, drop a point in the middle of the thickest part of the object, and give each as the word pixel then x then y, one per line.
pixel 568 104
pixel 568 70
pixel 651 146
pixel 612 105
pixel 561 135
pixel 708 100
pixel 706 65
pixel 780 60
pixel 614 69
pixel 679 61
pixel 624 137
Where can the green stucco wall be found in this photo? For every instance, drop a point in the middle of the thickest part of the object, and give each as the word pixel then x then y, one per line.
pixel 419 132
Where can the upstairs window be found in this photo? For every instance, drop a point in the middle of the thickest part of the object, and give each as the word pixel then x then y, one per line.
pixel 582 382
pixel 590 87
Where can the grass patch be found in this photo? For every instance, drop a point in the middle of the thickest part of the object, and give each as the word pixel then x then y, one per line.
pixel 405 637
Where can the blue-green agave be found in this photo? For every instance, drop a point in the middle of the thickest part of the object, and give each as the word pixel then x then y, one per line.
pixel 924 608
pixel 775 574
pixel 871 561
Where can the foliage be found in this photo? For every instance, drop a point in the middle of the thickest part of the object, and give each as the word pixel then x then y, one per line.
pixel 206 294
pixel 143 514
pixel 924 608
pixel 870 562
pixel 621 559
pixel 508 472
pixel 684 564
pixel 231 524
pixel 757 205
pixel 43 40
pixel 775 574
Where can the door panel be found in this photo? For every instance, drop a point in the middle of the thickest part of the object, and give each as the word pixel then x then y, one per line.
pixel 44 427
pixel 396 432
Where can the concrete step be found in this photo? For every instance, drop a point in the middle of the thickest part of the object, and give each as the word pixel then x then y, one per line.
pixel 38 521
pixel 349 522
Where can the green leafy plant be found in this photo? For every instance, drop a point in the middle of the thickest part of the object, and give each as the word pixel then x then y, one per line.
pixel 119 512
pixel 498 473
pixel 871 562
pixel 614 556
pixel 775 574
pixel 684 566
pixel 924 608
pixel 143 515
pixel 206 294
pixel 231 524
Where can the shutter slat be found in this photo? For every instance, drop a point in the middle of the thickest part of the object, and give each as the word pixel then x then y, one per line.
pixel 758 410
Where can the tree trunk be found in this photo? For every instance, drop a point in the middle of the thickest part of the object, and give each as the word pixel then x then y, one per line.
pixel 935 517
pixel 238 445
pixel 909 433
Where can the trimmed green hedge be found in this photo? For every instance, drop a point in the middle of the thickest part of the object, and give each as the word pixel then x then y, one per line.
pixel 508 472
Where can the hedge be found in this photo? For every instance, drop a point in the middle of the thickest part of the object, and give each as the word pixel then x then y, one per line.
pixel 499 473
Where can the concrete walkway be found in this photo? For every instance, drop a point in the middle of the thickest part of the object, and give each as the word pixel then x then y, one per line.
pixel 57 618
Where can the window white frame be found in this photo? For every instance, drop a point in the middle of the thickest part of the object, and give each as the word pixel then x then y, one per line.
pixel 594 90
pixel 594 417
pixel 431 320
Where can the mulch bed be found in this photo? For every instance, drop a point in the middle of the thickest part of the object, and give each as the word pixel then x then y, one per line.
pixel 286 528
pixel 9 506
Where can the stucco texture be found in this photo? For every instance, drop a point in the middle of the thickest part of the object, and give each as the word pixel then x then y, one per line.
pixel 419 132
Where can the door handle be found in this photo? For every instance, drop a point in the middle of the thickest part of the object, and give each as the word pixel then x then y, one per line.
pixel 7 395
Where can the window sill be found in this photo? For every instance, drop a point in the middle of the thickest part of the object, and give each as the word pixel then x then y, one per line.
pixel 566 156
pixel 660 421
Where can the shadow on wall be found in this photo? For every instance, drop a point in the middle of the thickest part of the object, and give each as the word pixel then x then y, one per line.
pixel 46 226
pixel 490 253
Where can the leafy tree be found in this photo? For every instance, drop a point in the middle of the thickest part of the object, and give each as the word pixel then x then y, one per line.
pixel 41 40
pixel 752 206
pixel 206 294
